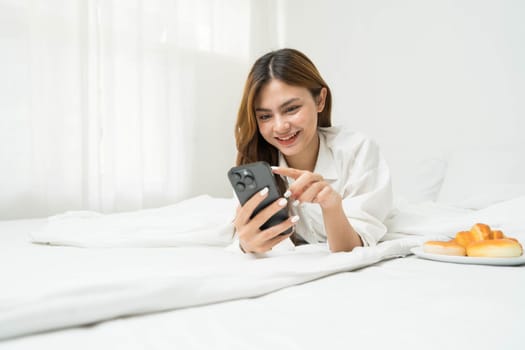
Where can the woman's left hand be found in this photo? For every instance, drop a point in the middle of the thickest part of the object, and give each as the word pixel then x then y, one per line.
pixel 309 187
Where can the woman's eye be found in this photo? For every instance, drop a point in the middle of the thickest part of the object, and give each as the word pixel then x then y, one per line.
pixel 292 109
pixel 263 117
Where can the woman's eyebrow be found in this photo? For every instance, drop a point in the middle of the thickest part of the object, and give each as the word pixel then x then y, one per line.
pixel 290 101
pixel 283 105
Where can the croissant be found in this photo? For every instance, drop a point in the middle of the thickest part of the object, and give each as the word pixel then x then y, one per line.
pixel 480 241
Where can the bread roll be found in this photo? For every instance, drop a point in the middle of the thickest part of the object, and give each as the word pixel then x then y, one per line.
pixel 480 232
pixel 496 234
pixel 464 238
pixel 445 248
pixel 495 248
pixel 480 241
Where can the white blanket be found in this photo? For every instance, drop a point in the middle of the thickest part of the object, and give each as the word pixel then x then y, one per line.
pixel 202 220
pixel 66 286
pixel 53 287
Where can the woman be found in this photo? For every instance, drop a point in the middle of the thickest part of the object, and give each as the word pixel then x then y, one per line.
pixel 336 180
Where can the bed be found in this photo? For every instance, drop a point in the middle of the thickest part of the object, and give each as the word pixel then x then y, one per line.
pixel 86 280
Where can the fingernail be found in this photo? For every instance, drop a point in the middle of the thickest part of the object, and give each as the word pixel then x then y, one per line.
pixel 263 191
pixel 296 203
pixel 282 202
pixel 287 194
pixel 295 218
pixel 274 167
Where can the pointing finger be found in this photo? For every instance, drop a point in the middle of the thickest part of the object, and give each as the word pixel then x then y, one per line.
pixel 290 172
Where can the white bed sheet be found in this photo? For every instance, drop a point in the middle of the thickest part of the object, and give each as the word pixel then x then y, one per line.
pixel 51 287
pixel 405 303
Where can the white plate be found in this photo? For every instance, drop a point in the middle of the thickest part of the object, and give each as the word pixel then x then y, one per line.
pixel 418 251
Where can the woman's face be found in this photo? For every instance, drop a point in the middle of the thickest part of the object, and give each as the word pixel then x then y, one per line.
pixel 287 119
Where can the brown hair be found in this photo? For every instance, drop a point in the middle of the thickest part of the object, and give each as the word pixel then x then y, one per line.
pixel 291 67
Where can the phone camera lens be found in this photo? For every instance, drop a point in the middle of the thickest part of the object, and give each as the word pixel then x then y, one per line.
pixel 240 186
pixel 236 176
pixel 248 179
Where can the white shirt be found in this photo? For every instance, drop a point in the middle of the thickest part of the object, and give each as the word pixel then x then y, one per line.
pixel 353 165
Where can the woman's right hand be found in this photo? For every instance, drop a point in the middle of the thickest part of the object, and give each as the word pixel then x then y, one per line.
pixel 251 238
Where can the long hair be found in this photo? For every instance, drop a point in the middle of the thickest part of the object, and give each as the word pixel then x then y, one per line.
pixel 291 67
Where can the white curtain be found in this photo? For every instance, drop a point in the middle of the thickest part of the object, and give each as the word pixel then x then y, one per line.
pixel 109 105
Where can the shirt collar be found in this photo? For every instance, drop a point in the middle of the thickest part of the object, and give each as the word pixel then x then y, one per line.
pixel 325 165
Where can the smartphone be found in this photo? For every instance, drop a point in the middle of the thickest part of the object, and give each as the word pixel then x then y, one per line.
pixel 249 179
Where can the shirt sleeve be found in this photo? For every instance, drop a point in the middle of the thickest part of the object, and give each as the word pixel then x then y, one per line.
pixel 367 198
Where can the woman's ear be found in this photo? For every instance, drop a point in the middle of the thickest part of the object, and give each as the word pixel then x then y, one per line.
pixel 321 99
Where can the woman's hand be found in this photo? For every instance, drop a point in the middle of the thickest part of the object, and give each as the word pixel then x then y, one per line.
pixel 310 188
pixel 251 238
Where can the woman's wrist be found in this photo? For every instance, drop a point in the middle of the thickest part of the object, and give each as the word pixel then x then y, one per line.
pixel 335 206
pixel 341 236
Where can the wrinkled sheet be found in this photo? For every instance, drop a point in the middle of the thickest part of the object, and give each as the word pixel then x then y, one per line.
pixel 51 287
pixel 407 303
pixel 202 220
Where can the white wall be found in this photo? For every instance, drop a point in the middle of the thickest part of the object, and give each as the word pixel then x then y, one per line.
pixel 421 77
pixel 117 105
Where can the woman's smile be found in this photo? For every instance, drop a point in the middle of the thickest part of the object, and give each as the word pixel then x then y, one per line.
pixel 287 140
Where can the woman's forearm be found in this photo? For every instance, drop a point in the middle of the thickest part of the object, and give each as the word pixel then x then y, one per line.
pixel 340 234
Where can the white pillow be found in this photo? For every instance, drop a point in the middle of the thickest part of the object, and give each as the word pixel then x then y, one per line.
pixel 477 179
pixel 419 180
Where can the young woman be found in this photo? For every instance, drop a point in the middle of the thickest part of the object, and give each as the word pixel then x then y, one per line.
pixel 336 180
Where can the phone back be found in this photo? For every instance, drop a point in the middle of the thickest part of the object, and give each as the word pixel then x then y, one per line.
pixel 248 180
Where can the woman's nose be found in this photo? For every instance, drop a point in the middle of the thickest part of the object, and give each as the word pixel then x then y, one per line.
pixel 281 124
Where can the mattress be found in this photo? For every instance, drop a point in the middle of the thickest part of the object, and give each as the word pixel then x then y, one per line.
pixel 408 303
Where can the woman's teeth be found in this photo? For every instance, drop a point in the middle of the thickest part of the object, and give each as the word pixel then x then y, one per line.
pixel 287 138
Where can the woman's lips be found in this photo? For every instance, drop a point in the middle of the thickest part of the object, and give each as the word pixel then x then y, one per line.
pixel 287 140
